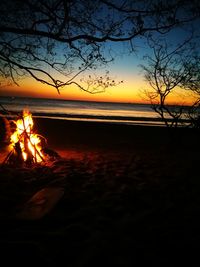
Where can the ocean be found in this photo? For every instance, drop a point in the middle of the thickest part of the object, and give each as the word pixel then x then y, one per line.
pixel 125 113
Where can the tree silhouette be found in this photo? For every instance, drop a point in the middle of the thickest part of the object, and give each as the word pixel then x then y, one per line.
pixel 56 41
pixel 173 70
pixel 191 83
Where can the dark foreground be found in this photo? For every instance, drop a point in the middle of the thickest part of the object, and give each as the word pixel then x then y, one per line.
pixel 131 198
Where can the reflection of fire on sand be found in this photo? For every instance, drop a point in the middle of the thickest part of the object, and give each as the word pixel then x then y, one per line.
pixel 26 150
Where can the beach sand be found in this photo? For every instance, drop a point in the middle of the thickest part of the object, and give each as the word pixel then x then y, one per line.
pixel 121 195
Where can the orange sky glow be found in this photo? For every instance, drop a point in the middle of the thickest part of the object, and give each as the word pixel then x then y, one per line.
pixel 130 91
pixel 124 68
pixel 125 92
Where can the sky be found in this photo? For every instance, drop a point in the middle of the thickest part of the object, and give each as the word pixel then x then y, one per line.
pixel 125 67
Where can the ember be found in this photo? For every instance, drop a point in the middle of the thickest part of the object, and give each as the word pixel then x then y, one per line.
pixel 25 144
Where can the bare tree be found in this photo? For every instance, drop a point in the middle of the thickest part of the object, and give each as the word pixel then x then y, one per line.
pixel 55 41
pixel 192 84
pixel 173 71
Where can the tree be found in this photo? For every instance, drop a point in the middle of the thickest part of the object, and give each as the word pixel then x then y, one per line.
pixel 56 41
pixel 192 84
pixel 173 71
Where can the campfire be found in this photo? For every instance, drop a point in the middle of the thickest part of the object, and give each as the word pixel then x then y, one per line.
pixel 25 145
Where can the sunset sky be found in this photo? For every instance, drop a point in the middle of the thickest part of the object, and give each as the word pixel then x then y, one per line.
pixel 125 67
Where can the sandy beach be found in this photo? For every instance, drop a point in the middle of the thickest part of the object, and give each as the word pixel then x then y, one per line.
pixel 124 196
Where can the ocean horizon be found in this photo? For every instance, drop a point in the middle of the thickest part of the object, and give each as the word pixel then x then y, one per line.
pixel 110 112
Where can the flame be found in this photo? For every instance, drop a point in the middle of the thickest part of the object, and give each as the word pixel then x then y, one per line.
pixel 29 142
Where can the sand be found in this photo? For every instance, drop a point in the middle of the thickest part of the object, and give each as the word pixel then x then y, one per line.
pixel 131 197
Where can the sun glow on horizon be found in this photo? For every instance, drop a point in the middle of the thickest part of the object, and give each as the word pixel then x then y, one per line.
pixel 130 91
pixel 125 92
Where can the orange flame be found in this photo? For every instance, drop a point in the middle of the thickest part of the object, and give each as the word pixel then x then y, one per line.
pixel 30 143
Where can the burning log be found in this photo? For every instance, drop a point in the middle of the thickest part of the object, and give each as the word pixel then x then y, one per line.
pixel 25 144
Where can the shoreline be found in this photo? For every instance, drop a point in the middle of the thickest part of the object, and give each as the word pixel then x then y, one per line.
pixel 115 119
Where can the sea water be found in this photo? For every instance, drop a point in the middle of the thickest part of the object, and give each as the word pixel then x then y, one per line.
pixel 126 113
